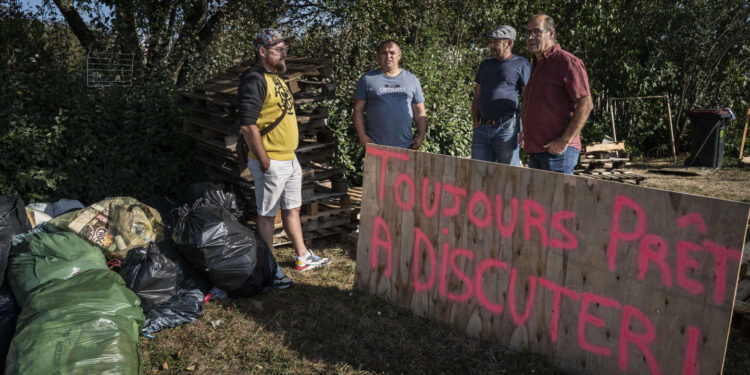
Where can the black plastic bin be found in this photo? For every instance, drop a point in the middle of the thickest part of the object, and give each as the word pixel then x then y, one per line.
pixel 708 137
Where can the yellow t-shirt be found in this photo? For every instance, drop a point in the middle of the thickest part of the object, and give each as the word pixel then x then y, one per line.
pixel 257 84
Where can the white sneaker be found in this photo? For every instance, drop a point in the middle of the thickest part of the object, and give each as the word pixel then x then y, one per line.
pixel 310 261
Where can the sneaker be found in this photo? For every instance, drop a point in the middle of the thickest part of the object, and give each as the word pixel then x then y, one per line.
pixel 310 261
pixel 280 279
pixel 282 283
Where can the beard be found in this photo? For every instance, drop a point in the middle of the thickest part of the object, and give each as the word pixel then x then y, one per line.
pixel 280 66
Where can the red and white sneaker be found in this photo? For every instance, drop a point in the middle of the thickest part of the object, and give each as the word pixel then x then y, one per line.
pixel 310 261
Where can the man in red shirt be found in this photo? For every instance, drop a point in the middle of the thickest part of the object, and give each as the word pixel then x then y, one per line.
pixel 556 100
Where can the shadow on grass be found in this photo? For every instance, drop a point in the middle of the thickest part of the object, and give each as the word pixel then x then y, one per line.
pixel 346 328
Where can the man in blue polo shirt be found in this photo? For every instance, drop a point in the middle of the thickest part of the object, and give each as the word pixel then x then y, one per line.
pixel 494 108
pixel 390 97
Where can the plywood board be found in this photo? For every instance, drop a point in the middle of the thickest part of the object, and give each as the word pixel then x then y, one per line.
pixel 601 277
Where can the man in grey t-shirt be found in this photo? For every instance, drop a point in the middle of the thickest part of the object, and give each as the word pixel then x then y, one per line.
pixel 389 97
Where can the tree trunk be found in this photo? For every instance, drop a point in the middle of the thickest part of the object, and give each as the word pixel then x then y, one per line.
pixel 127 34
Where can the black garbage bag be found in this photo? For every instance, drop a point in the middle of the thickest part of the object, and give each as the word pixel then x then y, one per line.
pixel 150 274
pixel 165 206
pixel 214 194
pixel 13 220
pixel 188 276
pixel 185 307
pixel 210 237
pixel 8 314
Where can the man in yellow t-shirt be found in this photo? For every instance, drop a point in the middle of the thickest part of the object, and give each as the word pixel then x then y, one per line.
pixel 266 102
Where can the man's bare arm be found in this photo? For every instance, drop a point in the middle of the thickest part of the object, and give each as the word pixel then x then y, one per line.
pixel 420 117
pixel 255 143
pixel 584 105
pixel 359 122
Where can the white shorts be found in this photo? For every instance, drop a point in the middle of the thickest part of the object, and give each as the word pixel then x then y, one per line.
pixel 281 184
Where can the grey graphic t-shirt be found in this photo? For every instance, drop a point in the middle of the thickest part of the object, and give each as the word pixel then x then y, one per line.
pixel 388 113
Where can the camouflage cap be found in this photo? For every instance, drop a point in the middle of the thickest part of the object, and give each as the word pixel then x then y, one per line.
pixel 268 37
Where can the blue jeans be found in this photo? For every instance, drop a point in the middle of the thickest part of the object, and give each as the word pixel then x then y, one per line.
pixel 563 163
pixel 497 143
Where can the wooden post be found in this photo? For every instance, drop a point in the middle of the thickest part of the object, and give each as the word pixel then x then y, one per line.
pixel 612 117
pixel 671 129
pixel 744 132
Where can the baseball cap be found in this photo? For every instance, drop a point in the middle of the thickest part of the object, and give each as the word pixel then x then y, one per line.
pixel 268 37
pixel 503 32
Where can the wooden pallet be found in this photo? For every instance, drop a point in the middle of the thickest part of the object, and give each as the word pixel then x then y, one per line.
pixel 607 164
pixel 604 155
pixel 329 218
pixel 611 175
pixel 223 87
pixel 212 125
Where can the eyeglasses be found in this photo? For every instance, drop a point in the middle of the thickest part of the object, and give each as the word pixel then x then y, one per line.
pixel 535 32
pixel 280 50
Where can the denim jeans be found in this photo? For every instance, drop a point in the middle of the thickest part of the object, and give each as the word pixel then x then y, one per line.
pixel 563 163
pixel 497 143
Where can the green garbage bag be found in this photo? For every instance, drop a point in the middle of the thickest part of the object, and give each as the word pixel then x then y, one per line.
pixel 45 254
pixel 88 324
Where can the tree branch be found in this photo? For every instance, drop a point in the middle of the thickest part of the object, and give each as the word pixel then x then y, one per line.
pixel 79 28
pixel 205 36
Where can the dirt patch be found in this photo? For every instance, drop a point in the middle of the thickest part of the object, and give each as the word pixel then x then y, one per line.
pixel 731 183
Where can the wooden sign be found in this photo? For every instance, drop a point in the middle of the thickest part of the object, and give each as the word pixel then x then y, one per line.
pixel 599 276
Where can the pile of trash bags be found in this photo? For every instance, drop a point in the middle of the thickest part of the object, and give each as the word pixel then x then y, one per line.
pixel 79 284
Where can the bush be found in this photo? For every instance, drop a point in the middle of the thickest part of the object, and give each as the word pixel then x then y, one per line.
pixel 60 138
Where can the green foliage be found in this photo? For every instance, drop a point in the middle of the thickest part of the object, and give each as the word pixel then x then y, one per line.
pixel 694 51
pixel 61 139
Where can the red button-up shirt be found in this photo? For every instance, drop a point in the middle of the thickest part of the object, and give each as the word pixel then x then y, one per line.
pixel 557 80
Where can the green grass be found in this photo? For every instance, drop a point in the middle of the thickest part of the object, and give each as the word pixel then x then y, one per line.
pixel 323 325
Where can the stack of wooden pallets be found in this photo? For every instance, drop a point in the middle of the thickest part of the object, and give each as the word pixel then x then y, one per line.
pixel 604 155
pixel 605 162
pixel 326 207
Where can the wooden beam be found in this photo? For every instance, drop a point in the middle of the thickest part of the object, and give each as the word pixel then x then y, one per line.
pixel 640 97
pixel 744 134
pixel 598 147
pixel 671 130
pixel 612 116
